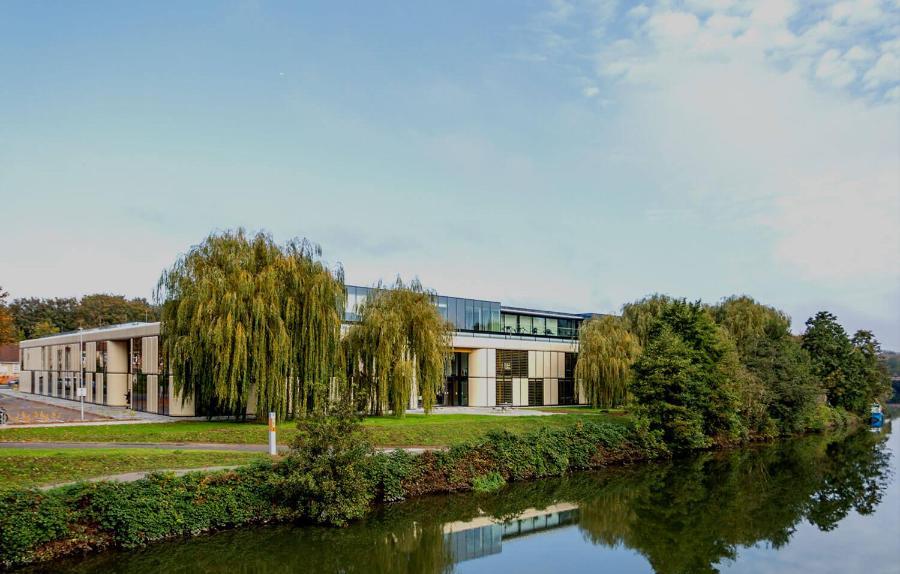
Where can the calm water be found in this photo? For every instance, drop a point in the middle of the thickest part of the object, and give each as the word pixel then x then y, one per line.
pixel 812 505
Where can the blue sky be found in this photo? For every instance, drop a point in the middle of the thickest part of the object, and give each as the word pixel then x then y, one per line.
pixel 553 154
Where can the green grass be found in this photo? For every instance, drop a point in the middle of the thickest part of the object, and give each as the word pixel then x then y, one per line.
pixel 36 467
pixel 442 430
pixel 411 430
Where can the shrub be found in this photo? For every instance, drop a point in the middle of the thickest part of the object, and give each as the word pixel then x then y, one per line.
pixel 325 476
pixel 388 471
pixel 28 519
pixel 489 482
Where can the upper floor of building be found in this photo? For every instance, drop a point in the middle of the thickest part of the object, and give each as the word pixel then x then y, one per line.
pixel 479 316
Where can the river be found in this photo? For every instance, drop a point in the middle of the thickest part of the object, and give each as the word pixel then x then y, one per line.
pixel 813 505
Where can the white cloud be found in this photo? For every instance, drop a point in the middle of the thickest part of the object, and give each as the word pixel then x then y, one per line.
pixel 835 70
pixel 724 124
pixel 846 229
pixel 673 26
pixel 591 91
pixel 886 71
pixel 639 12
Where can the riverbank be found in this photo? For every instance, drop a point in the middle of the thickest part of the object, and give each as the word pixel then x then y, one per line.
pixel 37 526
pixel 86 518
pixel 815 502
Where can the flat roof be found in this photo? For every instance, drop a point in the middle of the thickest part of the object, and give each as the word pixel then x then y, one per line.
pixel 121 331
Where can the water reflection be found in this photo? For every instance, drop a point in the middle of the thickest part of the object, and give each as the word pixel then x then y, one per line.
pixel 483 536
pixel 691 515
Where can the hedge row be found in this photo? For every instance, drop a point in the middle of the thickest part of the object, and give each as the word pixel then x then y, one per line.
pixel 37 526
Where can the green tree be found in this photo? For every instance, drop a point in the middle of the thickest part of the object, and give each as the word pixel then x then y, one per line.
pixel 748 321
pixel 44 329
pixel 398 346
pixel 837 363
pixel 640 316
pixel 782 366
pixel 8 333
pixel 606 351
pixel 106 309
pixel 871 366
pixel 57 313
pixel 778 391
pixel 242 314
pixel 686 380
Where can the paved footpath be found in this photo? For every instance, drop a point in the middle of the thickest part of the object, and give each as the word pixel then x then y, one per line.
pixel 133 476
pixel 56 445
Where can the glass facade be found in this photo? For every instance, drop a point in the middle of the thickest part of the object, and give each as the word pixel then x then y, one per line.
pixel 456 381
pixel 138 377
pixel 479 316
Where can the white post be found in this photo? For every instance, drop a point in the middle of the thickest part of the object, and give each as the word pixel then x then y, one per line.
pixel 81 389
pixel 273 448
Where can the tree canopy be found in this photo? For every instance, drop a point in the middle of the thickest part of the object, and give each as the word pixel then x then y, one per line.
pixel 398 346
pixel 36 317
pixel 851 370
pixel 606 351
pixel 687 379
pixel 245 319
pixel 7 324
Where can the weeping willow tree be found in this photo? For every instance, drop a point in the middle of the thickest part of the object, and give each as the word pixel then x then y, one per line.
pixel 397 348
pixel 606 351
pixel 641 315
pixel 243 318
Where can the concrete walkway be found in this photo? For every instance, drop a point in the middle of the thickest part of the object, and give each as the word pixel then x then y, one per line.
pixel 133 476
pixel 56 445
pixel 72 408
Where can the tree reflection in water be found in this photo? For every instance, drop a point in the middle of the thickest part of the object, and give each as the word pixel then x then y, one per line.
pixel 683 516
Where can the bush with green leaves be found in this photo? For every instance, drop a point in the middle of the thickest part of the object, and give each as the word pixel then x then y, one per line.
pixel 325 476
pixel 511 457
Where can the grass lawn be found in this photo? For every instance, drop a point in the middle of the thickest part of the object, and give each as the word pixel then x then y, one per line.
pixel 440 430
pixel 411 430
pixel 35 467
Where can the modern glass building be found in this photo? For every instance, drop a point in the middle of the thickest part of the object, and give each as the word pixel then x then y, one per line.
pixel 501 356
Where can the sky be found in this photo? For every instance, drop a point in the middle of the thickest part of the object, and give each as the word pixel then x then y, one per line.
pixel 563 155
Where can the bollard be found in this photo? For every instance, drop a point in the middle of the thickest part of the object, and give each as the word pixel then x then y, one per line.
pixel 273 448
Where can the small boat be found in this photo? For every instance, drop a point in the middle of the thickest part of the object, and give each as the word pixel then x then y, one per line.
pixel 876 417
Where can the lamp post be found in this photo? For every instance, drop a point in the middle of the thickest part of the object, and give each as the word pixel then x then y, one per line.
pixel 81 387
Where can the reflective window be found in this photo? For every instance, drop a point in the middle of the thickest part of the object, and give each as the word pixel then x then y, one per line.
pixel 552 327
pixel 510 323
pixel 495 318
pixel 524 324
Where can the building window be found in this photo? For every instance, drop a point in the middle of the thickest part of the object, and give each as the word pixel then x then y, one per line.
pixel 139 392
pixel 136 355
pixel 456 384
pixel 512 363
pixel 100 357
pixel 504 391
pixel 162 394
pixel 566 392
pixel 535 392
